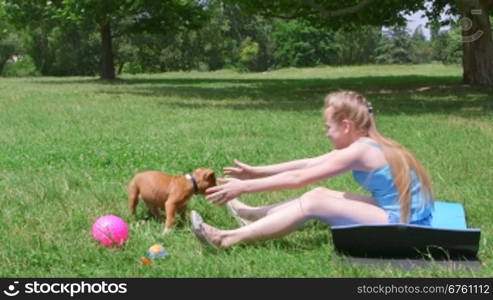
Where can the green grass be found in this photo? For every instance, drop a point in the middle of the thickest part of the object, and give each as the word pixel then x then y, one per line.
pixel 68 147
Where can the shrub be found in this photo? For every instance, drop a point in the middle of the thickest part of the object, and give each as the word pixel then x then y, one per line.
pixel 22 67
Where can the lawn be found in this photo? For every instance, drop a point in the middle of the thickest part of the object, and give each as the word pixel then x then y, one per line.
pixel 69 146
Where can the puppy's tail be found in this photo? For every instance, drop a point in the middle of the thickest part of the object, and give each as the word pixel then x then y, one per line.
pixel 133 195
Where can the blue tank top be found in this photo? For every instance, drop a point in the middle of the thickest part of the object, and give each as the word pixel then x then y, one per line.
pixel 380 183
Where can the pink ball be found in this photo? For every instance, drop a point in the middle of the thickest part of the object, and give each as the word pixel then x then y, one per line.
pixel 110 231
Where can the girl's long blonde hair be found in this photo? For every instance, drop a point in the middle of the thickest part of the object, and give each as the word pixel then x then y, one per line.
pixel 348 105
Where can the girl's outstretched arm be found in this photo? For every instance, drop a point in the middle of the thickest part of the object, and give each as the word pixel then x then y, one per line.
pixel 244 171
pixel 335 163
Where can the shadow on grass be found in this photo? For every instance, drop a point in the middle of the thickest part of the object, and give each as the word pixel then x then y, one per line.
pixel 407 94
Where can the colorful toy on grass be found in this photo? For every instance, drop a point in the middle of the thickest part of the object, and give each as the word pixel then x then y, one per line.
pixel 110 231
pixel 154 252
pixel 157 251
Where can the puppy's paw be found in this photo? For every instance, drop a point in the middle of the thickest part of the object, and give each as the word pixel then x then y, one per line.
pixel 167 231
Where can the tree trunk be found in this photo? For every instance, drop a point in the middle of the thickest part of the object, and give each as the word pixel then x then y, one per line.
pixel 120 68
pixel 107 63
pixel 3 62
pixel 477 60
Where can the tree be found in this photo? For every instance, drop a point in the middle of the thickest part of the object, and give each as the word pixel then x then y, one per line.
pixel 229 39
pixel 477 41
pixel 9 44
pixel 8 48
pixel 334 13
pixel 112 18
pixel 447 46
pixel 301 45
pixel 241 32
pixel 477 59
pixel 477 36
pixel 358 46
pixel 37 19
pixel 394 47
pixel 421 50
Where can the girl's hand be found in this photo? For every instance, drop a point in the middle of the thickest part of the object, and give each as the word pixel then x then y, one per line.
pixel 230 189
pixel 241 171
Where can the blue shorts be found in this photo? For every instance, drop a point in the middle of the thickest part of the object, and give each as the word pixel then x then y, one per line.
pixel 395 219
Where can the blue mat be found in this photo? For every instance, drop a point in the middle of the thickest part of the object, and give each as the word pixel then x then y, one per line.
pixel 449 215
pixel 447 237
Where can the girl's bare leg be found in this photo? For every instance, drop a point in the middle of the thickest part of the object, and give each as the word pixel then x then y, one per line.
pixel 252 213
pixel 316 204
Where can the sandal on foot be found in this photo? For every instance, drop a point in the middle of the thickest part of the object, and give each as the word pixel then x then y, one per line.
pixel 234 214
pixel 198 229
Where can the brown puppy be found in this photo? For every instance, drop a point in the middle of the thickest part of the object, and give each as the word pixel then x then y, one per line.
pixel 167 192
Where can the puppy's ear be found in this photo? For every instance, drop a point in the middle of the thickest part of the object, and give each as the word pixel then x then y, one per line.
pixel 211 176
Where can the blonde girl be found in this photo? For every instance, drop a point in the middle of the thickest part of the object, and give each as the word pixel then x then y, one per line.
pixel 399 185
